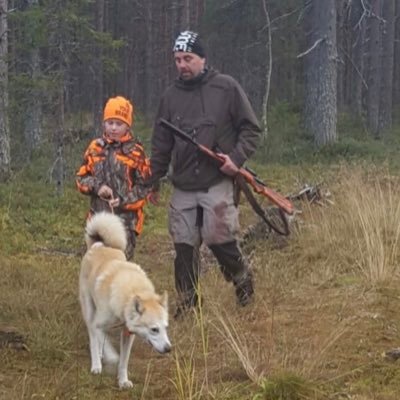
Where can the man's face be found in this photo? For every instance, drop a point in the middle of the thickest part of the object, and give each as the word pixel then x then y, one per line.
pixel 189 65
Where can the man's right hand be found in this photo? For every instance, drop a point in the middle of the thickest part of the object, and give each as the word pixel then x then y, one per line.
pixel 228 167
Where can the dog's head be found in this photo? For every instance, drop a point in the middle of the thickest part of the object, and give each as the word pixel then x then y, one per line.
pixel 148 318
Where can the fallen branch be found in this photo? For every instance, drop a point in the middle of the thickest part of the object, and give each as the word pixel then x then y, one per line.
pixel 10 338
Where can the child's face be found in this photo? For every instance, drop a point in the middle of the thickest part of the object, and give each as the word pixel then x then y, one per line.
pixel 115 128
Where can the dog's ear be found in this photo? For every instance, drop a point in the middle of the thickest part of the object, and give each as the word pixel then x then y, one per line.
pixel 138 305
pixel 164 300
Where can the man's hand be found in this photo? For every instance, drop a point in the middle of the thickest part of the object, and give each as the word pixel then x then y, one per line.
pixel 228 167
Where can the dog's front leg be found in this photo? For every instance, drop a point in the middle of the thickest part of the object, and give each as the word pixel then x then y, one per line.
pixel 125 351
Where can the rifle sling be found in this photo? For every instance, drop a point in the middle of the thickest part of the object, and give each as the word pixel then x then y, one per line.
pixel 243 186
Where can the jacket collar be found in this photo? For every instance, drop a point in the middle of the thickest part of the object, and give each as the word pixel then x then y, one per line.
pixel 128 136
pixel 197 81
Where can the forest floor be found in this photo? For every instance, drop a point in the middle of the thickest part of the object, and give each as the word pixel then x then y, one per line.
pixel 325 313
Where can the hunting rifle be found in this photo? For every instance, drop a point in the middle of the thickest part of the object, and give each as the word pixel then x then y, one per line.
pixel 283 203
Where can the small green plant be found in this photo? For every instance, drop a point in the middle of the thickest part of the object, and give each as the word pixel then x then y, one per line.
pixel 283 387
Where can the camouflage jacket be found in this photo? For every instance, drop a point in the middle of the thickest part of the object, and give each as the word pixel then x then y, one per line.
pixel 123 166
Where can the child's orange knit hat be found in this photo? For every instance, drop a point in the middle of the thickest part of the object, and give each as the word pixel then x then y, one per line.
pixel 120 108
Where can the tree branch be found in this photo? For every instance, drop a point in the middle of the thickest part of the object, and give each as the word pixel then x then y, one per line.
pixel 355 67
pixel 317 42
pixel 286 15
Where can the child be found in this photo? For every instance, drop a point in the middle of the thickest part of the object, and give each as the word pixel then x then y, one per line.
pixel 114 169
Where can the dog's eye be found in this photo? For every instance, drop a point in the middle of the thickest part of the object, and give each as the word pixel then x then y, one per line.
pixel 155 330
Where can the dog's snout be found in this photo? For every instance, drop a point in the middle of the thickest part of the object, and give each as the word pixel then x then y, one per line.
pixel 167 348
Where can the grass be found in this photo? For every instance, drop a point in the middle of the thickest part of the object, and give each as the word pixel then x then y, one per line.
pixel 325 311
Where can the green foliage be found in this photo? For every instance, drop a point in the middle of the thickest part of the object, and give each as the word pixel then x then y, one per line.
pixel 350 148
pixel 32 28
pixel 349 124
pixel 51 38
pixel 142 129
pixel 287 143
pixel 284 387
pixel 33 217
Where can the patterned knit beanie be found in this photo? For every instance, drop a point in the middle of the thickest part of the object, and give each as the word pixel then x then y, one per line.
pixel 119 108
pixel 189 42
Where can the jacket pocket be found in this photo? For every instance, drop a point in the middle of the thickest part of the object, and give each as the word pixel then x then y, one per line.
pixel 202 130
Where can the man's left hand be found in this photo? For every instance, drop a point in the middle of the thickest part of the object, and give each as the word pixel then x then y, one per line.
pixel 228 167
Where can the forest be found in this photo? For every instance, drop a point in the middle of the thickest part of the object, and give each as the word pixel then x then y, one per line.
pixel 317 60
pixel 324 79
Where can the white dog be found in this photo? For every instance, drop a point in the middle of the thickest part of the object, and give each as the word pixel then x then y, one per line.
pixel 115 292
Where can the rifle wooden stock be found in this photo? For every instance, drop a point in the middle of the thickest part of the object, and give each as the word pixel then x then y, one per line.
pixel 279 200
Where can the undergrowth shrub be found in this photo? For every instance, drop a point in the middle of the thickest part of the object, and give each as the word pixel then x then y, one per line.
pixel 285 387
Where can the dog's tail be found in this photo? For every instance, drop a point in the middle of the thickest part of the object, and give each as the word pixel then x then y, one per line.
pixel 106 228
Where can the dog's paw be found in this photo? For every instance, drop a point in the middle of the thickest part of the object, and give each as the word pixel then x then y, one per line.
pixel 125 384
pixel 95 370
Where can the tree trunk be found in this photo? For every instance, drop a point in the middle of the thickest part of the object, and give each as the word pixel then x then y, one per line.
pixel 12 52
pixel 59 166
pixel 4 132
pixel 341 49
pixel 374 72
pixel 148 58
pixel 62 56
pixel 186 15
pixel 33 115
pixel 98 93
pixel 385 108
pixel 358 28
pixel 396 72
pixel 321 76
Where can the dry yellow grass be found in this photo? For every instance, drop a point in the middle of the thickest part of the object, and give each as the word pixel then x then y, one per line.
pixel 326 308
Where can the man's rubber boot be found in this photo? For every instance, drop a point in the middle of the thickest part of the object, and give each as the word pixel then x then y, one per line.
pixel 235 269
pixel 186 279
